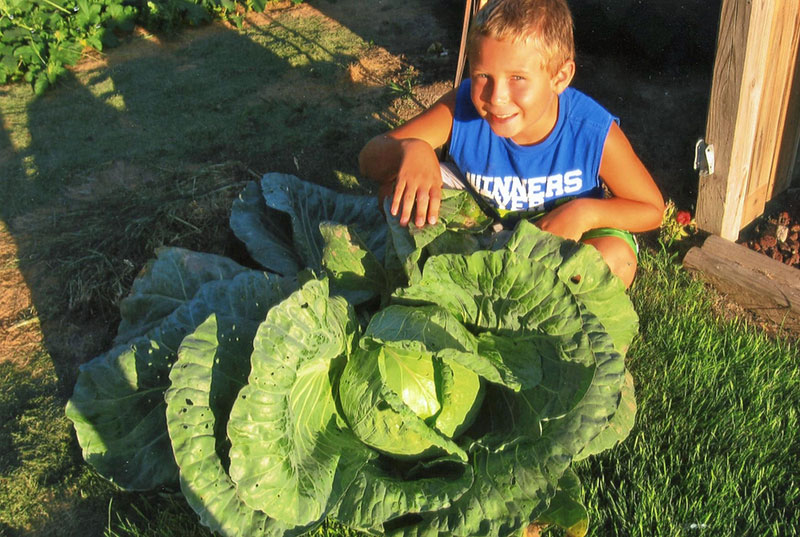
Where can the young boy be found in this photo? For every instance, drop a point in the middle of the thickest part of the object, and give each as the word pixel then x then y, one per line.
pixel 523 140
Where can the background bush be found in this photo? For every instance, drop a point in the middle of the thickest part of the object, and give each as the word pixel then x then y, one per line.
pixel 39 38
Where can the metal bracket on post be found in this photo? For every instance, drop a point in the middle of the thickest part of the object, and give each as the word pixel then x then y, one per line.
pixel 704 157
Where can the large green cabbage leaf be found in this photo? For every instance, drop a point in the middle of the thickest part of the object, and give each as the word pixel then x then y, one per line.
pixel 117 406
pixel 165 283
pixel 117 409
pixel 278 220
pixel 460 221
pixel 583 271
pixel 308 205
pixel 286 437
pixel 353 269
pixel 263 232
pixel 212 366
pixel 565 509
pixel 620 424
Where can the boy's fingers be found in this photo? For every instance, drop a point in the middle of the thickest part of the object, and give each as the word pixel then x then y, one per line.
pixel 397 198
pixel 422 208
pixel 408 205
pixel 433 205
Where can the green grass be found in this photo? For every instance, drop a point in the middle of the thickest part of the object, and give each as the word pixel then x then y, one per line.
pixel 212 100
pixel 117 161
pixel 715 444
pixel 41 467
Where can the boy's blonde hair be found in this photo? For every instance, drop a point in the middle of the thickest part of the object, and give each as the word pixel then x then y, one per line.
pixel 547 24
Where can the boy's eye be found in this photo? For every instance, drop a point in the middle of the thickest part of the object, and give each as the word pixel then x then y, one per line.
pixel 517 77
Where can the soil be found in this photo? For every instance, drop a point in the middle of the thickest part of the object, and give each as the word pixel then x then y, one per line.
pixel 19 326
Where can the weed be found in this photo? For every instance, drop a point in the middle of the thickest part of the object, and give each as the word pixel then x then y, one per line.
pixel 403 86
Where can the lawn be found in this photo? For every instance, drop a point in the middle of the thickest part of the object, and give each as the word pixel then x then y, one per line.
pixel 148 144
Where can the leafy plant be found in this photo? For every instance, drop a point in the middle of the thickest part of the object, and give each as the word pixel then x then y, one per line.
pixel 676 225
pixel 402 381
pixel 404 85
pixel 40 38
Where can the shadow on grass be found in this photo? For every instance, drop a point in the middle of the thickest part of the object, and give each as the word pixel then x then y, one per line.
pixel 111 147
pixel 406 29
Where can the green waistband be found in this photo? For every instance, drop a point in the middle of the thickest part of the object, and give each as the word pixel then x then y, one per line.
pixel 627 236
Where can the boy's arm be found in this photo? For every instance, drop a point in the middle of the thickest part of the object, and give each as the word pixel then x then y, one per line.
pixel 636 205
pixel 403 162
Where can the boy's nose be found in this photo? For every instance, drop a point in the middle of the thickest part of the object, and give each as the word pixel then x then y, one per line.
pixel 498 93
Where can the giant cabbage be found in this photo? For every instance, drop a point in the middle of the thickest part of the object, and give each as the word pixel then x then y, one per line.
pixel 401 381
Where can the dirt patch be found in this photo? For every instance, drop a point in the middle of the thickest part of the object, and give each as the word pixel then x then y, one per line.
pixel 374 68
pixel 20 332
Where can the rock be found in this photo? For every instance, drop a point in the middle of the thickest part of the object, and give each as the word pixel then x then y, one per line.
pixel 768 241
pixel 782 232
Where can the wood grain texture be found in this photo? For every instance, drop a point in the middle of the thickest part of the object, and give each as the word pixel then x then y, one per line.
pixel 721 123
pixel 753 117
pixel 752 280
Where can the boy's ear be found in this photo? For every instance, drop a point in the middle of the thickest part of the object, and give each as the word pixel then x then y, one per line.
pixel 563 76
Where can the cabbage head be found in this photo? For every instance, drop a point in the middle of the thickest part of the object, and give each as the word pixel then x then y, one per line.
pixel 401 381
pixel 402 400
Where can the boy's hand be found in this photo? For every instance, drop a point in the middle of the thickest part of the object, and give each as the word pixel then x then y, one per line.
pixel 418 183
pixel 567 220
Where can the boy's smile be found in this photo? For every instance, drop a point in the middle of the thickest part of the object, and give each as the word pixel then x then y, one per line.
pixel 512 90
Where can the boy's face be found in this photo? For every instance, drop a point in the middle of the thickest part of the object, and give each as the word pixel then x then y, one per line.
pixel 512 90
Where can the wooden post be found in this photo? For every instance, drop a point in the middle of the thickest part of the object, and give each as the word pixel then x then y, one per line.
pixel 753 118
pixel 790 148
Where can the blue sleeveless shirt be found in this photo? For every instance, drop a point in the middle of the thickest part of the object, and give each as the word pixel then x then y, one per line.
pixel 535 178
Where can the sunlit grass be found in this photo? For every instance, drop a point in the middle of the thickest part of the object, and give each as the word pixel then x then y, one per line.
pixel 217 98
pixel 714 450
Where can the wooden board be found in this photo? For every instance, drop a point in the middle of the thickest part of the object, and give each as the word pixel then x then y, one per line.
pixel 754 281
pixel 788 165
pixel 772 126
pixel 722 119
pixel 752 119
